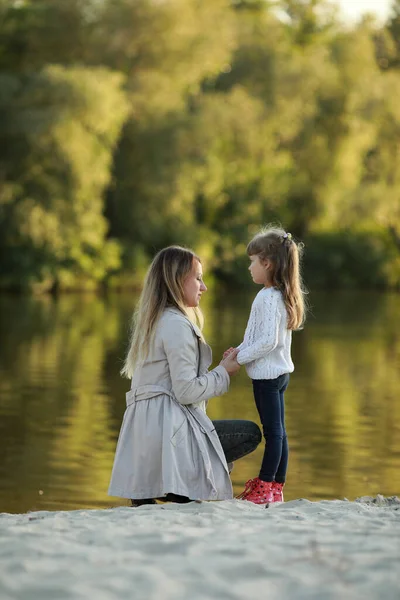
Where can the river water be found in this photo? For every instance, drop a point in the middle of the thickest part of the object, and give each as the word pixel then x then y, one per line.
pixel 62 399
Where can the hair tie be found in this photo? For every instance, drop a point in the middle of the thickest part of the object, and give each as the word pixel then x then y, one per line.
pixel 287 236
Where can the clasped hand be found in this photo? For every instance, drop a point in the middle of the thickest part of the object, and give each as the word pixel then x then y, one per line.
pixel 229 361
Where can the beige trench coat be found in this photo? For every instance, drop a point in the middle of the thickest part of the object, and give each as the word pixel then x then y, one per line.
pixel 167 443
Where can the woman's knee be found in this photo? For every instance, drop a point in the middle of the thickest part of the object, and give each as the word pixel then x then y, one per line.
pixel 254 432
pixel 252 436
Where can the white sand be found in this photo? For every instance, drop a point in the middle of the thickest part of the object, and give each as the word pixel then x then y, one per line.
pixel 225 550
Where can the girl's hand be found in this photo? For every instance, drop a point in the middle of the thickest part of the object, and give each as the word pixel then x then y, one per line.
pixel 227 352
pixel 230 363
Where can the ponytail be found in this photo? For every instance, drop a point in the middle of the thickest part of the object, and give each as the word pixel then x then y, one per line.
pixel 284 254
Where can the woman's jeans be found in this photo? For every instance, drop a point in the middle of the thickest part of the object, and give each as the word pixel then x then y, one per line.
pixel 268 394
pixel 237 437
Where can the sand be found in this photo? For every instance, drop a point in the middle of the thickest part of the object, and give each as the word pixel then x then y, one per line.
pixel 226 550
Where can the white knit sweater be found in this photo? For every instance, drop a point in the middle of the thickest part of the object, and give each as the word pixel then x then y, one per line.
pixel 265 349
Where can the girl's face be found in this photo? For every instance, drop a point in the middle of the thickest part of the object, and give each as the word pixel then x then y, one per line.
pixel 193 285
pixel 259 270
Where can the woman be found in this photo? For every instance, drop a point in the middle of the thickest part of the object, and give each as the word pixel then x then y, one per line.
pixel 168 448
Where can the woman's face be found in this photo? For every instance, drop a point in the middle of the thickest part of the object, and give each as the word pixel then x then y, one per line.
pixel 193 285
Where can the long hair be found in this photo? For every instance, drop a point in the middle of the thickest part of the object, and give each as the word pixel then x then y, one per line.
pixel 274 244
pixel 163 287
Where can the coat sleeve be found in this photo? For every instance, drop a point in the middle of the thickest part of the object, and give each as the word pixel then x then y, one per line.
pixel 181 349
pixel 266 328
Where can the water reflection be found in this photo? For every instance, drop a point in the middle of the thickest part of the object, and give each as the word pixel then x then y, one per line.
pixel 62 399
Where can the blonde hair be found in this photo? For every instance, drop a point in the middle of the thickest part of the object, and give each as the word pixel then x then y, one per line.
pixel 274 244
pixel 163 287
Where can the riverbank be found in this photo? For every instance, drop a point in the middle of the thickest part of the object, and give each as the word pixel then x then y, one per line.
pixel 225 550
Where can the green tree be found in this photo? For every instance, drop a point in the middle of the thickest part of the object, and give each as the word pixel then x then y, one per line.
pixel 58 128
pixel 393 26
pixel 132 124
pixel 166 50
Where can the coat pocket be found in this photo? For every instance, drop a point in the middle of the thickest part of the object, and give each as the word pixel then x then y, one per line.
pixel 180 434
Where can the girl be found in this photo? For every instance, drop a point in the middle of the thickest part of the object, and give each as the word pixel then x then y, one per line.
pixel 168 448
pixel 277 310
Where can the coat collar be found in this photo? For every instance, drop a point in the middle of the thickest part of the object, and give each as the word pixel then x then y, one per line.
pixel 195 328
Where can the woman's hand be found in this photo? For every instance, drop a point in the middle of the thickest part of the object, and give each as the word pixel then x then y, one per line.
pixel 227 352
pixel 230 363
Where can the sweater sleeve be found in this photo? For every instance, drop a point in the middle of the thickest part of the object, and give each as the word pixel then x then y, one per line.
pixel 181 349
pixel 264 325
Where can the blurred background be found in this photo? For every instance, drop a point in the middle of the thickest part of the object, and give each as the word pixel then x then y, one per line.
pixel 128 125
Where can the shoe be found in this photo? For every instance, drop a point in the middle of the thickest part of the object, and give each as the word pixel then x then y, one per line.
pixel 136 503
pixel 248 486
pixel 262 493
pixel 176 498
pixel 277 490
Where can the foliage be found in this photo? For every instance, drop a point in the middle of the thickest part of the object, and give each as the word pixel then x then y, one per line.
pixel 127 125
pixel 352 260
pixel 59 128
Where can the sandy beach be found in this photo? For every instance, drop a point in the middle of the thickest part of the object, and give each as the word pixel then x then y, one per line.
pixel 225 550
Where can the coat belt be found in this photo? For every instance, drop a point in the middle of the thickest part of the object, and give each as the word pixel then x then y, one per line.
pixel 146 392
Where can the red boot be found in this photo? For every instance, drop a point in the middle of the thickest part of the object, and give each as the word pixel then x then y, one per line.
pixel 248 486
pixel 277 490
pixel 261 493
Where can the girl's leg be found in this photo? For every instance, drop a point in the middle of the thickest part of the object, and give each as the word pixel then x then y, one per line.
pixel 238 438
pixel 268 402
pixel 280 476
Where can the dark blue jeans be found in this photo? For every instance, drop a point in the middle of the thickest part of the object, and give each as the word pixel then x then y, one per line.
pixel 237 437
pixel 269 397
